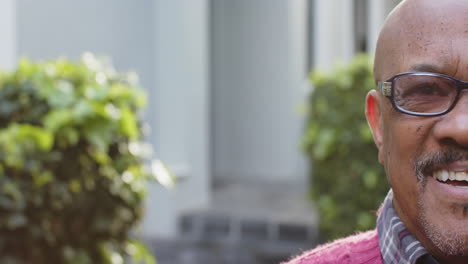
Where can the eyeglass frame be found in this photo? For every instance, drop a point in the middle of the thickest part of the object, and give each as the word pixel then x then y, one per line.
pixel 386 89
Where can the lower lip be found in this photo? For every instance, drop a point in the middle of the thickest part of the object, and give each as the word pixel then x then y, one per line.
pixel 447 190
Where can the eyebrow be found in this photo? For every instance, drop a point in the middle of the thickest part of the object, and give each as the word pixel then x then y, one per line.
pixel 425 67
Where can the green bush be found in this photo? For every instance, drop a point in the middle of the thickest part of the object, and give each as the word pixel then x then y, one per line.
pixel 72 175
pixel 347 182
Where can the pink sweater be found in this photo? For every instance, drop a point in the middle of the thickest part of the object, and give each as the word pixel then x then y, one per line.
pixel 356 249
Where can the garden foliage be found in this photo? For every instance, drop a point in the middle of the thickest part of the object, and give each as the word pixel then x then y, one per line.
pixel 347 182
pixel 72 177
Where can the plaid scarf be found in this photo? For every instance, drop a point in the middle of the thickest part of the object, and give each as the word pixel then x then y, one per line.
pixel 397 245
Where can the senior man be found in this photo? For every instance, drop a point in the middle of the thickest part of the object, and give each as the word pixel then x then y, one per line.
pixel 419 119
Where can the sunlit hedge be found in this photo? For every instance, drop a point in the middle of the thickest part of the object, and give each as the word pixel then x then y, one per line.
pixel 72 180
pixel 347 182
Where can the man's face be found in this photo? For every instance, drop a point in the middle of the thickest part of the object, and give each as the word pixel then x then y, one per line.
pixel 425 36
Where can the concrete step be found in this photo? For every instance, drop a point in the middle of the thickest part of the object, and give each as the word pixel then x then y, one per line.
pixel 207 226
pixel 247 223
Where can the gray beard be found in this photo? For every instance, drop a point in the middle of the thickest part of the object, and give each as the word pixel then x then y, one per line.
pixel 451 243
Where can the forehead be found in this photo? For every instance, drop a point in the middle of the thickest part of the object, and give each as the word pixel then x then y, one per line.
pixel 427 36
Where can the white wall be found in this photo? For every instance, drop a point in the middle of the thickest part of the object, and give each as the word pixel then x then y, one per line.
pixel 255 94
pixel 333 28
pixel 8 50
pixel 118 28
pixel 377 13
pixel 183 105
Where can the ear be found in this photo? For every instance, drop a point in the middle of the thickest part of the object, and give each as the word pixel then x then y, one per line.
pixel 374 119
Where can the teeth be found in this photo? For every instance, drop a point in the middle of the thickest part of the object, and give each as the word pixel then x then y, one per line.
pixel 452 176
pixel 443 175
pixel 460 176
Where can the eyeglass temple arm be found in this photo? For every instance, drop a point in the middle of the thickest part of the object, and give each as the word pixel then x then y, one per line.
pixel 385 88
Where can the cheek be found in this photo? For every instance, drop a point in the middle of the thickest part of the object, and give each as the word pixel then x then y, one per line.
pixel 404 139
pixel 404 142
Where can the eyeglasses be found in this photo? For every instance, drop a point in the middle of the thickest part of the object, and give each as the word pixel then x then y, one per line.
pixel 422 93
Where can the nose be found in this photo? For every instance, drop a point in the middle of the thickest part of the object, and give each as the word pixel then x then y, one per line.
pixel 453 126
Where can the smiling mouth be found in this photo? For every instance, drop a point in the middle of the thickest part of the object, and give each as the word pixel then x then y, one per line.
pixel 454 178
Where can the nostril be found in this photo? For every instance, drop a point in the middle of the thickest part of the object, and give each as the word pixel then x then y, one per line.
pixel 451 143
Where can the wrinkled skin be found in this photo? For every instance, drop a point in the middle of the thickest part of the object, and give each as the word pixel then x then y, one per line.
pixel 424 35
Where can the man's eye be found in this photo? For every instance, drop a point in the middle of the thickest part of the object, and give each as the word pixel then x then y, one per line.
pixel 428 90
pixel 425 90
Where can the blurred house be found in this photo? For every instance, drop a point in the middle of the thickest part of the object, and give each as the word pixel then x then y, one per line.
pixel 226 80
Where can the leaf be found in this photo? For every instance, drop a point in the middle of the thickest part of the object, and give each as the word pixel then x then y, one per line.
pixel 24 133
pixel 139 253
pixel 128 124
pixel 58 118
pixel 43 138
pixel 11 189
pixel 370 179
pixel 75 186
pixel 324 144
pixel 96 93
pixel 42 178
pixel 15 221
pixel 162 173
pixel 70 135
pixel 364 220
pixel 82 109
pixel 365 133
pixel 99 133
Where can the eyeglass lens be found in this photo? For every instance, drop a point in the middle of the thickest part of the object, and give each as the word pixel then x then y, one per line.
pixel 424 93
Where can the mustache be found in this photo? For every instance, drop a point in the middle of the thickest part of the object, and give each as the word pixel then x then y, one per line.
pixel 426 163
